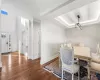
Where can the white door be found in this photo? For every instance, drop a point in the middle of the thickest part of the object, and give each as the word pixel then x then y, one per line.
pixel 25 40
pixel 37 42
pixel 37 39
pixel 4 42
pixel 24 43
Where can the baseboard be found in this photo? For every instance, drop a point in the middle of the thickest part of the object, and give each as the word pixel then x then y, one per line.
pixel 5 53
pixel 45 64
pixel 49 59
pixel 9 52
pixel 36 57
pixel 30 57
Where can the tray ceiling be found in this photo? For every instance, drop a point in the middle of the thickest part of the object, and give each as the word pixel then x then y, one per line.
pixel 88 14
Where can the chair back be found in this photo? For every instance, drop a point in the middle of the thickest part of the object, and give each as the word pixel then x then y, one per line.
pixel 67 56
pixel 83 51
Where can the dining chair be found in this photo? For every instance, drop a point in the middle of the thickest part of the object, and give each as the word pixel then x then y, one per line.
pixel 68 62
pixel 95 63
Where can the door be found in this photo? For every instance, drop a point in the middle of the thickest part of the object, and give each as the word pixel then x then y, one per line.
pixel 25 40
pixel 37 42
pixel 37 39
pixel 4 42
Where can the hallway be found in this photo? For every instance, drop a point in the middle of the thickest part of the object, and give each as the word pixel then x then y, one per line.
pixel 18 67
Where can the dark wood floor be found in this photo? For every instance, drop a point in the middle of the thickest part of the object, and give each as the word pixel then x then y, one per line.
pixel 18 67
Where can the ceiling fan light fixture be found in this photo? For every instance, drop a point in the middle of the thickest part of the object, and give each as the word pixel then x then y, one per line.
pixel 78 25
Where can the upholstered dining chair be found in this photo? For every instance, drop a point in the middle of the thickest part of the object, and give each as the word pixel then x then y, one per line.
pixel 67 60
pixel 95 63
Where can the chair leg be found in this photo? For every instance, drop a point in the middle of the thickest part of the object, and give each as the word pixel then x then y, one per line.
pixel 62 74
pixel 72 76
pixel 79 74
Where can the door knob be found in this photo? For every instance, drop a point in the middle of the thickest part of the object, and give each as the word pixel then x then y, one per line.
pixel 7 43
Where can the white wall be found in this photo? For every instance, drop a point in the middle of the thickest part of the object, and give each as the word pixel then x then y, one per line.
pixel 49 5
pixel 0 38
pixel 51 37
pixel 89 35
pixel 0 3
pixel 8 22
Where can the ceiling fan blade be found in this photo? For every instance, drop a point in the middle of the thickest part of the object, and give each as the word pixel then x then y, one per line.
pixel 78 26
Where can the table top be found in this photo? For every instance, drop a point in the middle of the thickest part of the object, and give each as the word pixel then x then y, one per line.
pixel 83 57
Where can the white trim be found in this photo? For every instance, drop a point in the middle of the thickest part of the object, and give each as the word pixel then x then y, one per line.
pixel 35 57
pixel 30 57
pixel 48 70
pixel 52 72
pixel 49 59
pixel 64 22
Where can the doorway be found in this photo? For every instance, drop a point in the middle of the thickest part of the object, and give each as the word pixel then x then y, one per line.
pixel 29 42
pixel 23 36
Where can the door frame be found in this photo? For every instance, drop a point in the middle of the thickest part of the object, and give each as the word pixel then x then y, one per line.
pixel 20 31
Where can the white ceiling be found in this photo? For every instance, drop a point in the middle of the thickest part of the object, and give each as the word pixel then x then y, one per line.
pixel 89 14
pixel 48 5
pixel 25 2
pixel 40 7
pixel 29 6
pixel 53 8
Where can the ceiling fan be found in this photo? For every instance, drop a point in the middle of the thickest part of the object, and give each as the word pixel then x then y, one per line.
pixel 78 25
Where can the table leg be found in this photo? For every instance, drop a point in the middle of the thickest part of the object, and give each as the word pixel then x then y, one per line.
pixel 89 70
